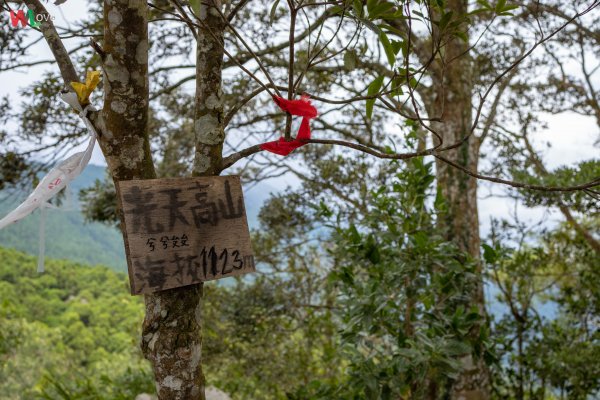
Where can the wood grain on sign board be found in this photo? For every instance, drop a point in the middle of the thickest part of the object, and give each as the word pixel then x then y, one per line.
pixel 184 231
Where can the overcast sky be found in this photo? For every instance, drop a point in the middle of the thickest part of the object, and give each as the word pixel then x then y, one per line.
pixel 571 136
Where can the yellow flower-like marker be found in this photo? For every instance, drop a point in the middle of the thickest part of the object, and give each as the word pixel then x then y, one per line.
pixel 84 90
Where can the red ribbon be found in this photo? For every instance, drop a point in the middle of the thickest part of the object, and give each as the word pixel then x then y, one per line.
pixel 302 108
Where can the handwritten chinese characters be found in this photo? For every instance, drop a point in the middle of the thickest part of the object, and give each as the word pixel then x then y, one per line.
pixel 184 231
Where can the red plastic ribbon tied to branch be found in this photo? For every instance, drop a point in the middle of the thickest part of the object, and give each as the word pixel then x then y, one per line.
pixel 302 108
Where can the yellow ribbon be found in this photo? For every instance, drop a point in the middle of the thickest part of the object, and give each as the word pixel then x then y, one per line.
pixel 84 90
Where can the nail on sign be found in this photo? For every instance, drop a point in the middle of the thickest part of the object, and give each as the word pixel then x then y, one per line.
pixel 179 232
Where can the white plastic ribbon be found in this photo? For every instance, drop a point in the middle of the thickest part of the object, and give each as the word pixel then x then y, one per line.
pixel 57 179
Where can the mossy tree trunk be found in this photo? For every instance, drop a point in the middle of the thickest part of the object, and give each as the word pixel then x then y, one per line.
pixel 172 329
pixel 451 99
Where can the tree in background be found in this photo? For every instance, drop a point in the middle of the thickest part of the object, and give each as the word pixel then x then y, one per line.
pixel 403 295
pixel 557 274
pixel 424 70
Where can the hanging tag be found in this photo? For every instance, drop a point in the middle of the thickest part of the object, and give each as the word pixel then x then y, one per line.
pixel 59 177
pixel 184 231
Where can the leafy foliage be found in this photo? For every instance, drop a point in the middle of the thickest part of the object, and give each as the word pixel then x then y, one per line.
pixel 564 176
pixel 69 333
pixel 73 332
pixel 547 352
pixel 405 316
pixel 263 341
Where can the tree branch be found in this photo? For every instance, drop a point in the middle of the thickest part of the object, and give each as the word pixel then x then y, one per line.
pixel 67 70
pixel 233 158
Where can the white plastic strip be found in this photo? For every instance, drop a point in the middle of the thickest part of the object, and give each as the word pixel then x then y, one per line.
pixel 59 176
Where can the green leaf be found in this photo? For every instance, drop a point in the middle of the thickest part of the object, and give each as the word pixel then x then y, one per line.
pixel 391 29
pixel 273 12
pixel 380 10
pixel 397 86
pixel 372 90
pixel 503 9
pixel 484 4
pixel 195 5
pixel 358 7
pixel 489 254
pixel 510 7
pixel 396 45
pixel 462 36
pixel 336 10
pixel 413 82
pixel 445 19
pixel 350 60
pixel 323 210
pixel 347 276
pixel 387 47
pixel 500 6
pixel 478 11
pixel 506 13
pixel 419 14
pixel 354 236
pixel 370 25
pixel 404 48
pixel 373 254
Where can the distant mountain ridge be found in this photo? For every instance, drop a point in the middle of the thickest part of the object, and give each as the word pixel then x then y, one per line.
pixel 68 236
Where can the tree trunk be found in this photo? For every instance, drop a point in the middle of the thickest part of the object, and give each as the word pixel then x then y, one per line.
pixel 171 333
pixel 452 101
pixel 171 329
pixel 172 341
pixel 171 337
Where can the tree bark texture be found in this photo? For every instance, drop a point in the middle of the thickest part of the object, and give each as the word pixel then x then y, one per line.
pixel 451 99
pixel 123 121
pixel 171 336
pixel 208 113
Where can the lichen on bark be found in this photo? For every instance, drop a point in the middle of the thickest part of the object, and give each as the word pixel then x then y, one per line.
pixel 124 141
pixel 171 336
pixel 172 330
pixel 208 112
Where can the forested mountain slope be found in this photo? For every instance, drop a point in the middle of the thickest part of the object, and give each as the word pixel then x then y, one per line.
pixel 68 235
pixel 70 330
pixel 73 333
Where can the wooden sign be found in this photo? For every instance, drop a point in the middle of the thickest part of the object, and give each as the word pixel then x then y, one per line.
pixel 184 231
